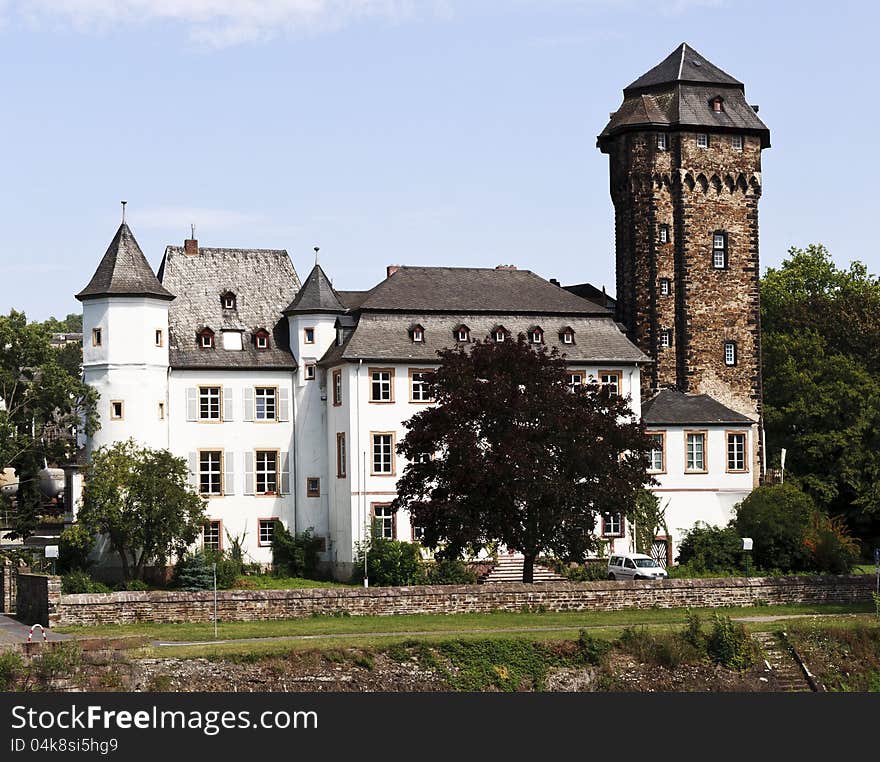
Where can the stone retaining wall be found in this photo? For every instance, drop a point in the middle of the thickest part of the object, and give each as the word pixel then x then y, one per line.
pixel 38 599
pixel 7 586
pixel 248 605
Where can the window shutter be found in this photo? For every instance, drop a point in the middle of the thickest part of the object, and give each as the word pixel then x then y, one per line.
pixel 285 473
pixel 248 473
pixel 194 469
pixel 192 404
pixel 227 404
pixel 249 403
pixel 229 473
pixel 283 404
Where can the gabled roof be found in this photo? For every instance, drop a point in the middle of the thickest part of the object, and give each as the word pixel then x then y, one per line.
pixel 263 281
pixel 124 271
pixel 673 408
pixel 684 64
pixel 474 290
pixel 317 295
pixel 677 93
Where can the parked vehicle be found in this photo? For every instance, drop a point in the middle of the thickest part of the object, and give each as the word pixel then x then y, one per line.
pixel 635 566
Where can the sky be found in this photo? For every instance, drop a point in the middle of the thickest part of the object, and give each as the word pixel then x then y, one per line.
pixel 433 132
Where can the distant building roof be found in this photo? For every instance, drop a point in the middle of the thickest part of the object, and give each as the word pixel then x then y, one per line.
pixel 474 290
pixel 317 295
pixel 124 271
pixel 589 292
pixel 678 93
pixel 674 408
pixel 263 281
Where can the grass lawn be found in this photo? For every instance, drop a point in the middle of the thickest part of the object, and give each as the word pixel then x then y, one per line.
pixel 865 569
pixel 482 624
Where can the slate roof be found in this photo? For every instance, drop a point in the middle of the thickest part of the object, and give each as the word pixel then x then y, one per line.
pixel 474 290
pixel 674 408
pixel 677 93
pixel 385 337
pixel 317 295
pixel 124 271
pixel 263 281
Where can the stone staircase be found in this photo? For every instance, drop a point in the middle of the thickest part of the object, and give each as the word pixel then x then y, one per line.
pixel 789 676
pixel 510 569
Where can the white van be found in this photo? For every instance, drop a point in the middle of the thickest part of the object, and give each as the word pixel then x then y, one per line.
pixel 635 566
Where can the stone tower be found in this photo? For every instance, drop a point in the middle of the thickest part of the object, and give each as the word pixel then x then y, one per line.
pixel 685 160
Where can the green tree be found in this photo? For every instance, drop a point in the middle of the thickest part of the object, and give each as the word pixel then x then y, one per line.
pixel 512 454
pixel 778 518
pixel 42 404
pixel 821 351
pixel 141 501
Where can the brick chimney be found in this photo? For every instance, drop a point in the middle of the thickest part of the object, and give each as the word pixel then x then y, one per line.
pixel 191 247
pixel 390 270
pixel 505 267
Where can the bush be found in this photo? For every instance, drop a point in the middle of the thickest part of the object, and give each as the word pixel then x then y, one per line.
pixel 710 549
pixel 662 650
pixel 391 563
pixel 74 546
pixel 591 571
pixel 778 518
pixel 135 585
pixel 295 555
pixel 81 582
pixel 193 572
pixel 449 571
pixel 833 550
pixel 11 666
pixel 730 645
pixel 228 567
pixel 592 649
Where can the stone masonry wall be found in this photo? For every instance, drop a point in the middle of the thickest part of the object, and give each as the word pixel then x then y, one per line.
pixel 37 599
pixel 248 605
pixel 7 586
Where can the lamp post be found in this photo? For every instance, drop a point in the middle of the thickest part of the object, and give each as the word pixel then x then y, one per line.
pixel 747 548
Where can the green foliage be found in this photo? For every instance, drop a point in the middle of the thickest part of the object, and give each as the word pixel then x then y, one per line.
pixel 194 572
pixel 730 645
pixel 505 412
pixel 449 571
pixel 876 603
pixel 135 585
pixel 647 518
pixel 141 500
pixel 592 650
pixel 61 660
pixel 591 571
pixel 693 631
pixel 390 563
pixel 821 352
pixel 778 519
pixel 295 555
pixel 11 668
pixel 660 649
pixel 75 544
pixel 709 550
pixel 505 665
pixel 81 582
pixel 833 549
pixel 228 567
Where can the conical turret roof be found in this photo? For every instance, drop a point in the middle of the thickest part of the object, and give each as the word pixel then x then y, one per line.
pixel 316 295
pixel 124 271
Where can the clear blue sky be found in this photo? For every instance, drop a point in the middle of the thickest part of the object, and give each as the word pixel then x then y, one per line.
pixel 447 132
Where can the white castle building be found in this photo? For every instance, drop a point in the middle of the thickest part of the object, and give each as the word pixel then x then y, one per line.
pixel 287 400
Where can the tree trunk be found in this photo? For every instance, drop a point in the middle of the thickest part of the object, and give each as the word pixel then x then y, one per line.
pixel 529 568
pixel 124 559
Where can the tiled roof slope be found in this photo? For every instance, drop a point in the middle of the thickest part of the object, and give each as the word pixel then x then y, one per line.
pixel 674 408
pixel 385 337
pixel 263 281
pixel 124 271
pixel 317 295
pixel 471 290
pixel 677 93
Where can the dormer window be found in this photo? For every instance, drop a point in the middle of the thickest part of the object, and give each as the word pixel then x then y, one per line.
pixel 718 104
pixel 462 333
pixel 417 333
pixel 228 301
pixel 536 335
pixel 261 339
pixel 499 334
pixel 206 338
pixel 567 335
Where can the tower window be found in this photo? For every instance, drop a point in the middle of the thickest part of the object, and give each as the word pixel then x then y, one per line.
pixel 117 409
pixel 665 287
pixel 719 251
pixel 310 371
pixel 702 140
pixel 736 142
pixel 158 337
pixel 97 337
pixel 308 335
pixel 662 143
pixel 730 353
pixel 663 234
pixel 666 337
pixel 313 486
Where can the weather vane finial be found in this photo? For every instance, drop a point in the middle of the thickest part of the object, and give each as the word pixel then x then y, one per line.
pixel 317 249
pixel 123 211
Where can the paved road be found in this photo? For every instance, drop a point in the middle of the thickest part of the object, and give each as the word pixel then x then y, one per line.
pixel 13 631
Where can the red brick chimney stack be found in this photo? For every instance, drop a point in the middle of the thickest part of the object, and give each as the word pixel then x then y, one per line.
pixel 191 244
pixel 390 270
